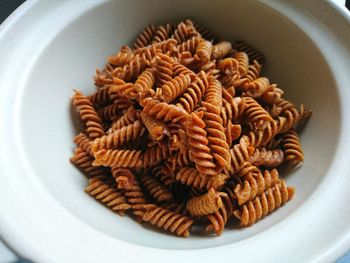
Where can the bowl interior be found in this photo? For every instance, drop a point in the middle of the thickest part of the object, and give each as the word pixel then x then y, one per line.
pixel 70 59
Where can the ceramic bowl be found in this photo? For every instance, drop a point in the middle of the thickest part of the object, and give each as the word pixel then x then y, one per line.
pixel 48 48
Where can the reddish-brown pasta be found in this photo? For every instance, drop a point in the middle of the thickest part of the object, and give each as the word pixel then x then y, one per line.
pixel 255 185
pixel 118 158
pixel 83 160
pixel 194 93
pixel 204 50
pixel 293 153
pixel 155 188
pixel 240 154
pixel 198 145
pixel 88 114
pixel 123 177
pixel 83 141
pixel 205 204
pixel 119 137
pixel 155 154
pixel 221 49
pixel 267 158
pixel 265 204
pixel 103 191
pixel 174 87
pixel 129 117
pixel 169 221
pixel 185 128
pixel 191 177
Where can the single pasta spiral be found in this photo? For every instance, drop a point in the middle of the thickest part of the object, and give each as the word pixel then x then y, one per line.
pixel 169 221
pixel 118 158
pixel 198 145
pixel 119 137
pixel 88 115
pixel 205 204
pixel 102 191
pixel 293 153
pixel 265 204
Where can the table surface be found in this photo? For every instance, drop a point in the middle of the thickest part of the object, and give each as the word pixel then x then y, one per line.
pixel 6 254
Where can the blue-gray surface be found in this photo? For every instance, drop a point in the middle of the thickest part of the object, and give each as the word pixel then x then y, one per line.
pixel 6 8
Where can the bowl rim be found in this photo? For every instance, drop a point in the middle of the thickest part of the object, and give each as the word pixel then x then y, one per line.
pixel 8 223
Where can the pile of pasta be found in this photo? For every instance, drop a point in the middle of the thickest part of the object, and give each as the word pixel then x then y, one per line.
pixel 184 129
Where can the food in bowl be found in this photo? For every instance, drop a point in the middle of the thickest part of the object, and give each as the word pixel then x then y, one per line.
pixel 183 128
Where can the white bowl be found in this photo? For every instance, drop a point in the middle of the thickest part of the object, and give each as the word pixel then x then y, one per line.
pixel 47 48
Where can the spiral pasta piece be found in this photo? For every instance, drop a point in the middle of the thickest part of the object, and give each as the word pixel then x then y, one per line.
pixel 255 185
pixel 243 63
pixel 240 154
pixel 123 57
pixel 104 192
pixel 83 142
pixel 265 204
pixel 118 158
pixel 144 84
pixel 191 177
pixel 215 131
pixel 123 177
pixel 204 50
pixel 293 153
pixel 262 137
pixel 257 88
pixel 253 73
pixel 272 95
pixel 88 115
pixel 158 191
pixel 205 204
pixel 179 69
pixel 291 114
pixel 218 219
pixel 228 66
pixel 232 132
pixel 194 93
pixel 164 68
pixel 129 117
pixel 191 45
pixel 156 128
pixel 155 154
pixel 175 87
pixel 119 137
pixel 267 158
pixel 83 160
pixel 145 37
pixel 132 69
pixel 184 31
pixel 221 49
pixel 164 111
pixel 100 98
pixel 198 145
pixel 256 114
pixel 169 221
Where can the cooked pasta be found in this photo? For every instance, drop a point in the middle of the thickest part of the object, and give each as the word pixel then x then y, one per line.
pixel 103 191
pixel 185 128
pixel 205 204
